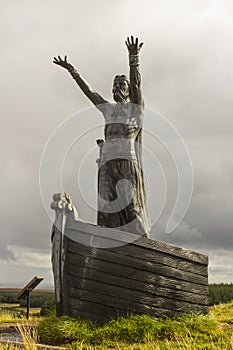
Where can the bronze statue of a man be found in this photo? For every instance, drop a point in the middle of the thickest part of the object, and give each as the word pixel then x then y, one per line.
pixel 122 201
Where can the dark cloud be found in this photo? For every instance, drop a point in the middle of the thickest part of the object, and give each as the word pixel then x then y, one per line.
pixel 187 76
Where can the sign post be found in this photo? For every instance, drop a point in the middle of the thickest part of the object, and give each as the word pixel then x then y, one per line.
pixel 25 292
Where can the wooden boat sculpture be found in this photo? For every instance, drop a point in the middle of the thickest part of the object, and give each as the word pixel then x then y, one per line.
pixel 130 275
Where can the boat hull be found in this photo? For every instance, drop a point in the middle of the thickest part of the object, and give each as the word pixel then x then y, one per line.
pixel 135 276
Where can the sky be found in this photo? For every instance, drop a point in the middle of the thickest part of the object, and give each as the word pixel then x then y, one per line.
pixel 187 77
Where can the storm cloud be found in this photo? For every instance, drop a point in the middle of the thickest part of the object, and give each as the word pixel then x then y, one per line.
pixel 187 76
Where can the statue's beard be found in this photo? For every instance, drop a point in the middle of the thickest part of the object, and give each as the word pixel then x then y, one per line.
pixel 119 96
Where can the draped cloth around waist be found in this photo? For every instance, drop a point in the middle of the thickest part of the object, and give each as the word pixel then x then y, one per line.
pixel 120 205
pixel 118 148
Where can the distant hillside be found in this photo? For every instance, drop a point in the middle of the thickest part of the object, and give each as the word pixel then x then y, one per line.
pixel 38 296
pixel 220 293
pixel 43 286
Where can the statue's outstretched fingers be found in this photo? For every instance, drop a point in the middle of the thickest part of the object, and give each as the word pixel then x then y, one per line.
pixel 136 42
pixel 56 61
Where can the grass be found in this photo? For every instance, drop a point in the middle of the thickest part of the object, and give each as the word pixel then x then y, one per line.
pixel 13 313
pixel 9 317
pixel 15 317
pixel 8 306
pixel 223 312
pixel 29 339
pixel 190 332
pixel 29 336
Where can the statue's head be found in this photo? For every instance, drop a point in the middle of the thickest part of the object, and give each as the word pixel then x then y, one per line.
pixel 121 89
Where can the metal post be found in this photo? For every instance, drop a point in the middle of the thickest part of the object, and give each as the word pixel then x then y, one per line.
pixel 25 292
pixel 28 303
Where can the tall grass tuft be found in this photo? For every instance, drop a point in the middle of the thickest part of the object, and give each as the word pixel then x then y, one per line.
pixel 29 336
pixel 29 339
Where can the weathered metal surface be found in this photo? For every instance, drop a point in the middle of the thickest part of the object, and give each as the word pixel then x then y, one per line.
pixel 120 205
pixel 129 276
pixel 29 287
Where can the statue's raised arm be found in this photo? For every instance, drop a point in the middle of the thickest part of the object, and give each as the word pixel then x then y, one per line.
pixel 135 78
pixel 84 86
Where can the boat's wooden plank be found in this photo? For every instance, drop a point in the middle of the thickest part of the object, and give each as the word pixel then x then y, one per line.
pixel 147 279
pixel 172 250
pixel 77 305
pixel 129 266
pixel 148 293
pixel 81 312
pixel 96 310
pixel 144 253
pixel 110 234
pixel 128 251
pixel 75 229
pixel 93 279
pixel 137 303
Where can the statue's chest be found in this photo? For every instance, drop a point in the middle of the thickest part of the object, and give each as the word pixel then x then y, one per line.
pixel 117 123
pixel 113 130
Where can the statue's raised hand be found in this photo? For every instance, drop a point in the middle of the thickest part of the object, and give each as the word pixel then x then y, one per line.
pixel 133 46
pixel 63 63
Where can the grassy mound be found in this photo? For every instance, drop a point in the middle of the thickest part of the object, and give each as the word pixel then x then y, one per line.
pixel 189 331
